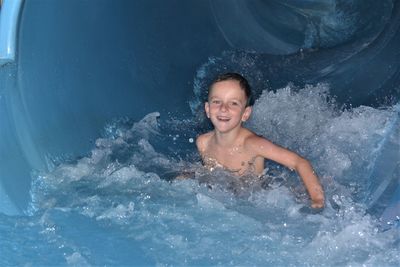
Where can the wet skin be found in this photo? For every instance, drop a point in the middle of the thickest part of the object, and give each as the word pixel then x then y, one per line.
pixel 235 148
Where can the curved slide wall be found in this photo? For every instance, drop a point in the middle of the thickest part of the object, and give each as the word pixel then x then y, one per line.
pixel 79 64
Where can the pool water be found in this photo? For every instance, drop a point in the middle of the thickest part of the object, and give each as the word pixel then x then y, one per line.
pixel 119 204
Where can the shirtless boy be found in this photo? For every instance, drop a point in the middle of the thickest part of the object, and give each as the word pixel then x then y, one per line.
pixel 239 150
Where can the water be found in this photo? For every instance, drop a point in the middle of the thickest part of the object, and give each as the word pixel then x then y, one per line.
pixel 118 205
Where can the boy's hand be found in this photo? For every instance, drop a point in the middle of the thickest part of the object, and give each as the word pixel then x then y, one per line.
pixel 317 195
pixel 318 202
pixel 185 175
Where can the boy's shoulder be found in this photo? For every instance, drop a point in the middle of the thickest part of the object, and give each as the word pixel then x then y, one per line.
pixel 203 139
pixel 253 140
pixel 250 136
pixel 205 136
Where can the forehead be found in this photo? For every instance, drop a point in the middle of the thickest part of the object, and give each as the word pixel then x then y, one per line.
pixel 229 88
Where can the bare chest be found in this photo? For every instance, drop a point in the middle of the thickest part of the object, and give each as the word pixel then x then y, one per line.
pixel 237 160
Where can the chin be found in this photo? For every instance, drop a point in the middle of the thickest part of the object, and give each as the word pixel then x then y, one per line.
pixel 224 129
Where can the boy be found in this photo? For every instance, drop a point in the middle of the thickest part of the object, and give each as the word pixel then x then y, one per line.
pixel 237 149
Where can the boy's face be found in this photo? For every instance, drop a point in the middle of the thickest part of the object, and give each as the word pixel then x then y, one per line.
pixel 226 106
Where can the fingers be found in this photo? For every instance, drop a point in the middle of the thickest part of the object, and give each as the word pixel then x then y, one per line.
pixel 317 204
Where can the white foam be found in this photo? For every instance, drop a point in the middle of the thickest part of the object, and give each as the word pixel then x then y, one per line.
pixel 214 219
pixel 206 202
pixel 76 259
pixel 337 142
pixel 119 214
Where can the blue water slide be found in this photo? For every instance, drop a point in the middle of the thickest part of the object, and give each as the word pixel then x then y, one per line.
pixel 80 64
pixel 9 18
pixel 8 30
pixel 69 66
pixel 385 187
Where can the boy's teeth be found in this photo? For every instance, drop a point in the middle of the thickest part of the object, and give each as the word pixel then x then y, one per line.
pixel 223 119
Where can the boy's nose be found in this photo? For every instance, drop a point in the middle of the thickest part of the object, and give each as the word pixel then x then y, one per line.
pixel 224 107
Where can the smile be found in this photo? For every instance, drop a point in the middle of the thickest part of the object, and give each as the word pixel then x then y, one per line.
pixel 223 118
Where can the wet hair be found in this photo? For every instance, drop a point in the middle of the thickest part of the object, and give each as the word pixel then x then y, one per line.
pixel 243 83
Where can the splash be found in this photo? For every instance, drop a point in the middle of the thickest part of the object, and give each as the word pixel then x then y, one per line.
pixel 125 190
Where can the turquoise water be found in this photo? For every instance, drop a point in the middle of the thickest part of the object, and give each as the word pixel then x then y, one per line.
pixel 118 205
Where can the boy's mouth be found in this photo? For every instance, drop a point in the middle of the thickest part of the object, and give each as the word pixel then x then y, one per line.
pixel 223 118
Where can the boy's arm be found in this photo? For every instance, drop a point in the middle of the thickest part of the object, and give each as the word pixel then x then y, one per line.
pixel 293 161
pixel 201 144
pixel 185 175
pixel 311 182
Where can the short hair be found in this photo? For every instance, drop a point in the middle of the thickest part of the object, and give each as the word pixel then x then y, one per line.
pixel 243 83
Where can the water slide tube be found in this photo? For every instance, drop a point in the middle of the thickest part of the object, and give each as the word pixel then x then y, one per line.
pixel 68 67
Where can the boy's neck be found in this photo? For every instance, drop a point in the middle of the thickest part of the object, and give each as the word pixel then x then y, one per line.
pixel 227 139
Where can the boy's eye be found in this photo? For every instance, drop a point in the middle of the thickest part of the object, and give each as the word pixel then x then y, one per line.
pixel 217 102
pixel 234 104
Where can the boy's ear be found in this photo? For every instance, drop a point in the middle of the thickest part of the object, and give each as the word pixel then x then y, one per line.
pixel 207 109
pixel 246 114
